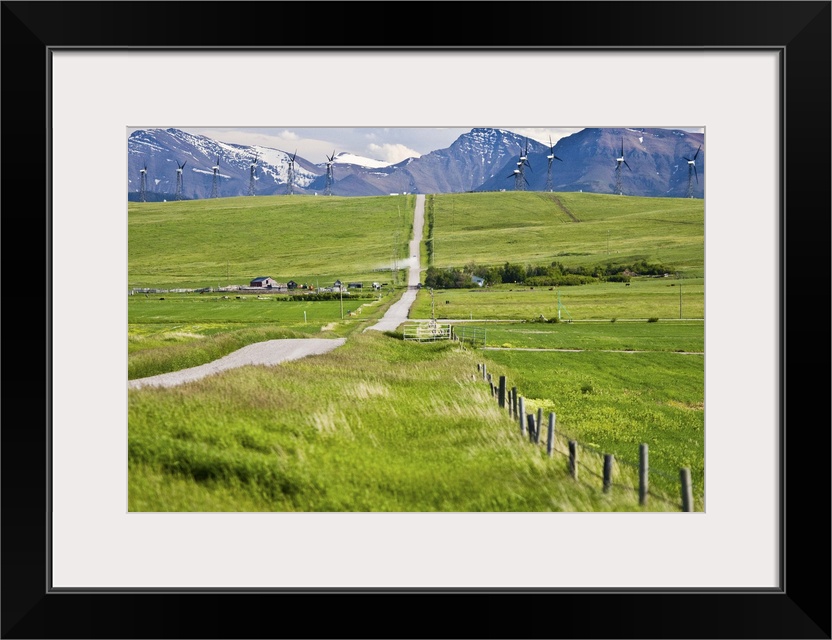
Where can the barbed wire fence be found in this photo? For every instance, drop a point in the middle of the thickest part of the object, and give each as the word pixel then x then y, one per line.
pixel 587 465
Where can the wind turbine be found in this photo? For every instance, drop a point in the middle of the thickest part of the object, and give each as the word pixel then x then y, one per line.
pixel 524 162
pixel 329 175
pixel 619 161
pixel 519 174
pixel 550 158
pixel 290 180
pixel 179 179
pixel 143 183
pixel 252 168
pixel 692 171
pixel 216 168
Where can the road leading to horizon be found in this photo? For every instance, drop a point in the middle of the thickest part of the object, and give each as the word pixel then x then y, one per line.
pixel 399 310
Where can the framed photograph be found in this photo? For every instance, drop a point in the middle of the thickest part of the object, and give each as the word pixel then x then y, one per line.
pixel 755 76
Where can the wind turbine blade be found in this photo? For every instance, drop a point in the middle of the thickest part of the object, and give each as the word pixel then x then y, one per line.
pixel 697 152
pixel 686 158
pixel 628 166
pixel 556 158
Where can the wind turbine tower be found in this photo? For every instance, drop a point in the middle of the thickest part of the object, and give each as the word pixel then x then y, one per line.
pixel 692 171
pixel 550 158
pixel 143 184
pixel 518 174
pixel 252 169
pixel 214 185
pixel 618 162
pixel 179 169
pixel 290 180
pixel 524 162
pixel 329 177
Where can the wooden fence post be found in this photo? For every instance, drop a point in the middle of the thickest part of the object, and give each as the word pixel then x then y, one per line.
pixel 484 375
pixel 550 436
pixel 539 424
pixel 521 415
pixel 502 398
pixel 514 402
pixel 532 430
pixel 608 459
pixel 573 458
pixel 687 491
pixel 642 473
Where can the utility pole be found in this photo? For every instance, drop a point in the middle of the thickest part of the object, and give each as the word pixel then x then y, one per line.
pixel 341 292
pixel 680 301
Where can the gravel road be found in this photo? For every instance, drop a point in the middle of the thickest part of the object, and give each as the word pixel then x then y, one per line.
pixel 267 353
pixel 399 310
pixel 274 352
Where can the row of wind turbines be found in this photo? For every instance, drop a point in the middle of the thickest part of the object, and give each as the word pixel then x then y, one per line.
pixel 520 180
pixel 519 174
pixel 290 181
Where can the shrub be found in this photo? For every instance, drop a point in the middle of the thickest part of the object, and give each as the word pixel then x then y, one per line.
pixel 652 319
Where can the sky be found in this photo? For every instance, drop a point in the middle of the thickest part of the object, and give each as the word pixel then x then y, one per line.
pixel 387 145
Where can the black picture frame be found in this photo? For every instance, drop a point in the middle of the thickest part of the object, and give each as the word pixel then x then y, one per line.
pixel 800 608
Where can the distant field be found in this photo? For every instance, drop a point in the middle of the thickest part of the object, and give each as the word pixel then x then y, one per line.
pixel 688 336
pixel 220 241
pixel 211 308
pixel 572 228
pixel 644 298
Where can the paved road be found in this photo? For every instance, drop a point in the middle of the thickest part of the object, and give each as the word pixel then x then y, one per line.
pixel 399 310
pixel 268 353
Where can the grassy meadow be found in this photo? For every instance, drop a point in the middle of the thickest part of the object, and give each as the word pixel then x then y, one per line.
pixel 376 425
pixel 576 229
pixel 221 241
pixel 383 424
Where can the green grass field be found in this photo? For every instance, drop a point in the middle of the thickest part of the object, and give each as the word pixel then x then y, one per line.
pixel 222 241
pixel 376 425
pixel 532 228
pixel 383 424
pixel 644 298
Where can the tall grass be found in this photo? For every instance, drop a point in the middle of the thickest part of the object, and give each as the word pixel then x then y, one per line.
pixel 375 425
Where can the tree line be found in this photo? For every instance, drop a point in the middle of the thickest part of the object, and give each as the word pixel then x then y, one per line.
pixel 552 275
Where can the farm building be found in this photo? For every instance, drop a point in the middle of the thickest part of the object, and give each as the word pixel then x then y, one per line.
pixel 355 285
pixel 263 281
pixel 291 284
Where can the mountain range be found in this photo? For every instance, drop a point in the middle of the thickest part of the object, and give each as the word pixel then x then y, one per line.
pixel 655 164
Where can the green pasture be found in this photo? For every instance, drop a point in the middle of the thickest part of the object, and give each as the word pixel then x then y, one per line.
pixel 575 229
pixel 684 336
pixel 383 424
pixel 376 425
pixel 169 332
pixel 221 241
pixel 663 298
pixel 613 402
pixel 213 308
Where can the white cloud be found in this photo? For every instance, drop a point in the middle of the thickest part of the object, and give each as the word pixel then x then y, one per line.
pixel 392 153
